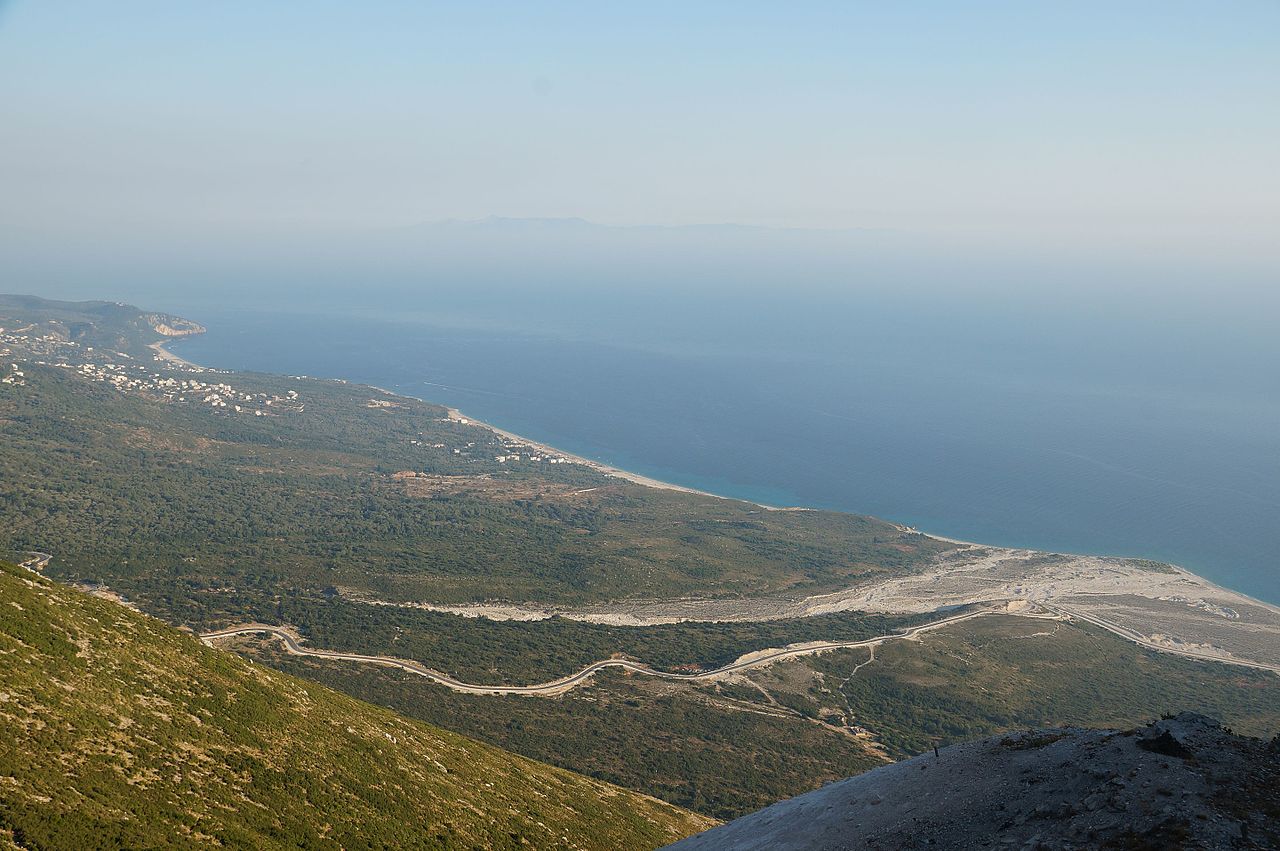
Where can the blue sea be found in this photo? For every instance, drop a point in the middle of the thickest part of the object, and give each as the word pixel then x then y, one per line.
pixel 1076 433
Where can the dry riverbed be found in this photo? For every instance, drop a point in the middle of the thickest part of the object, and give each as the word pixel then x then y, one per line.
pixel 1156 605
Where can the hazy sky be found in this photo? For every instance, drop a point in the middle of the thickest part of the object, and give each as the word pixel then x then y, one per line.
pixel 1152 124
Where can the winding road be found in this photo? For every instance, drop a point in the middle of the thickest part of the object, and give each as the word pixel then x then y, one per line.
pixel 35 561
pixel 1142 640
pixel 293 644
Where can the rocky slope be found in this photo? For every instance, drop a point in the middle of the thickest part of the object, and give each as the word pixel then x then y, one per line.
pixel 118 731
pixel 1182 782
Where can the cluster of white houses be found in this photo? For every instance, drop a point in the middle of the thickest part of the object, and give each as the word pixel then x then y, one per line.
pixel 33 341
pixel 137 378
pixel 516 456
pixel 168 381
pixel 215 394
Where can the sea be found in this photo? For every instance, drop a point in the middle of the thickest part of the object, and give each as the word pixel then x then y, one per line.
pixel 1064 430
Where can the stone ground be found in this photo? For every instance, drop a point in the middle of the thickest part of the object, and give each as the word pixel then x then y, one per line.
pixel 1182 782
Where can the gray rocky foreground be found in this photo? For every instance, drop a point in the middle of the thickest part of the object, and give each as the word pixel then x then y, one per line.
pixel 1182 782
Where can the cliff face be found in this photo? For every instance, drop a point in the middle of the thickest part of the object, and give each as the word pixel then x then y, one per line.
pixel 1181 782
pixel 173 326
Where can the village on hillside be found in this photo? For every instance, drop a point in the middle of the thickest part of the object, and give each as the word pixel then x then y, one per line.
pixel 166 379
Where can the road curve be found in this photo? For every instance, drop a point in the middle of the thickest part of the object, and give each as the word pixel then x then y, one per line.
pixel 1143 641
pixel 35 561
pixel 293 644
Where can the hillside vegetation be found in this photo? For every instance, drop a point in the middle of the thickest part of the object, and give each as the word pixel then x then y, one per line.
pixel 729 747
pixel 102 325
pixel 174 504
pixel 209 498
pixel 117 731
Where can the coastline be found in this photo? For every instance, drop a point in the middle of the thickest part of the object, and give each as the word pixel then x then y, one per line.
pixel 169 357
pixel 1169 609
pixel 457 415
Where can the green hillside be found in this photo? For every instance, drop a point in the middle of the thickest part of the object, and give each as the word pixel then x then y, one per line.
pixel 118 731
pixel 98 324
pixel 167 500
pixel 308 502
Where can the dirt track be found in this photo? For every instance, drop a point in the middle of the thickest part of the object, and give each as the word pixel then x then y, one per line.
pixel 759 658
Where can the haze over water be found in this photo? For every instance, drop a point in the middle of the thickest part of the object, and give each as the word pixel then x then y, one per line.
pixel 1041 429
pixel 1008 271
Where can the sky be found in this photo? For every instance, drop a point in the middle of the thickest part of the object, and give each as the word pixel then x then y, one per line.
pixel 1138 126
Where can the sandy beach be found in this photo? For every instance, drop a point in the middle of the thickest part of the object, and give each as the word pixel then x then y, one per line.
pixel 164 354
pixel 459 417
pixel 607 469
pixel 169 357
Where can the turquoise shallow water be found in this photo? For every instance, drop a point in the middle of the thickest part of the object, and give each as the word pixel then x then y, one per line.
pixel 1056 436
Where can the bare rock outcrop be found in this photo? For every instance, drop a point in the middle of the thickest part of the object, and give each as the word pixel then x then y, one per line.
pixel 1181 782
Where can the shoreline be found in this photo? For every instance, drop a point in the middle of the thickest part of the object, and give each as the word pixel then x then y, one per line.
pixel 169 357
pixel 518 612
pixel 456 415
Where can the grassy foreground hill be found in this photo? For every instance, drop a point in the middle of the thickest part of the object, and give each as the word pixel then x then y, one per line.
pixel 118 731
